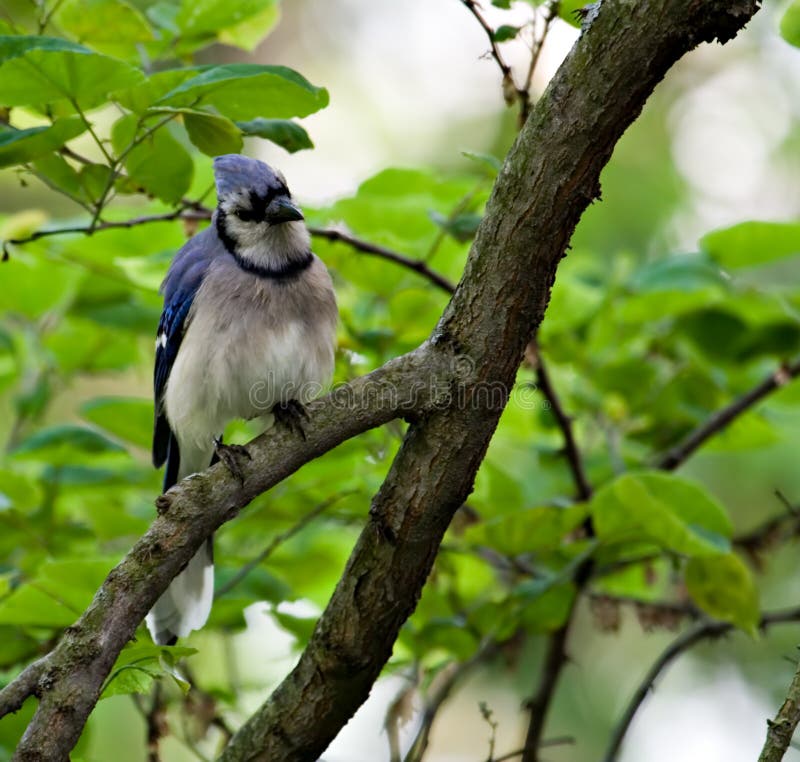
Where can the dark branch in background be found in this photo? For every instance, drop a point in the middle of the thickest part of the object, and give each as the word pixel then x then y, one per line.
pixel 441 690
pixel 781 729
pixel 417 265
pixel 702 631
pixel 717 422
pixel 571 451
pixel 510 90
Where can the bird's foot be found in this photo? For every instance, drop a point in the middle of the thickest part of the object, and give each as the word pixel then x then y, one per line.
pixel 230 456
pixel 291 414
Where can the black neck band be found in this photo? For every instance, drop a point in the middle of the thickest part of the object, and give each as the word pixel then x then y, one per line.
pixel 286 271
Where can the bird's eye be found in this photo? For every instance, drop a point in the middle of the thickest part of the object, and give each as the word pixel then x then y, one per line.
pixel 246 215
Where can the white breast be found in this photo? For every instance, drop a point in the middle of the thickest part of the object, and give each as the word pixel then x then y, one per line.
pixel 240 365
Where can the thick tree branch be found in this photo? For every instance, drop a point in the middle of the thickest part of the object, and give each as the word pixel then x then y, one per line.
pixel 702 631
pixel 717 422
pixel 69 679
pixel 781 729
pixel 548 179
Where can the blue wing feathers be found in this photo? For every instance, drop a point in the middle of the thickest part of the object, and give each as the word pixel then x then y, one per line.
pixel 179 288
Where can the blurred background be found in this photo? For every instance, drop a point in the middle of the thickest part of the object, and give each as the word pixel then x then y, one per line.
pixel 411 87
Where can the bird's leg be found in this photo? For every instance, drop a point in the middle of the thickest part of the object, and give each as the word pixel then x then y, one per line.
pixel 230 455
pixel 291 414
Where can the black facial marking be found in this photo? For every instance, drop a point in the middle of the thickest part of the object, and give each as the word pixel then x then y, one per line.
pixel 222 232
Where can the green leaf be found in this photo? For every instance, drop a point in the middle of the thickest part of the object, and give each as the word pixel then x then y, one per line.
pixel 159 164
pixel 790 24
pixel 282 132
pixel 60 173
pixel 35 70
pixel 128 419
pixel 527 531
pixel 109 25
pixel 58 594
pixel 139 665
pixel 462 226
pixel 249 91
pixel 212 134
pixel 144 94
pixel 64 444
pixel 681 272
pixel 198 17
pixel 18 491
pixel 672 512
pixel 724 588
pixel 21 146
pixel 505 32
pixel 253 30
pixel 749 244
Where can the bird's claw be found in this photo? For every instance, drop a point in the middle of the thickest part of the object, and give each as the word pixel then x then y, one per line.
pixel 291 414
pixel 230 455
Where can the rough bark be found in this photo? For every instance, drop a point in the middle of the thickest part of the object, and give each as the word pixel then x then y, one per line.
pixel 547 180
pixel 549 177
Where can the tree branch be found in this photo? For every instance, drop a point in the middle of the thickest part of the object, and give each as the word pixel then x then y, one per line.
pixel 277 541
pixel 717 422
pixel 781 729
pixel 699 632
pixel 548 179
pixel 70 678
pixel 571 451
pixel 454 674
pixel 417 265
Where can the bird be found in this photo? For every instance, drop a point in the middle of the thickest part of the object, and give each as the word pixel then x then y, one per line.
pixel 248 329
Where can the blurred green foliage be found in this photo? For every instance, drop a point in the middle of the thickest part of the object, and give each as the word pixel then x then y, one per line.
pixel 643 344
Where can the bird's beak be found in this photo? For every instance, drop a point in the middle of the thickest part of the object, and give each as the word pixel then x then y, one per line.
pixel 282 210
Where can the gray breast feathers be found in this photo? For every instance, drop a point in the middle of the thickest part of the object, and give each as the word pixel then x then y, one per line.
pixel 251 342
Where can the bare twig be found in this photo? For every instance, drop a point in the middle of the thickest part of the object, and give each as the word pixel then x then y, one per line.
pixel 717 422
pixel 417 265
pixel 181 213
pixel 548 743
pixel 510 90
pixel 277 541
pixel 525 92
pixel 699 632
pixel 442 689
pixel 554 661
pixel 571 451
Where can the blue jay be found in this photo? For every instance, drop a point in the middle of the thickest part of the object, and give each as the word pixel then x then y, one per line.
pixel 248 329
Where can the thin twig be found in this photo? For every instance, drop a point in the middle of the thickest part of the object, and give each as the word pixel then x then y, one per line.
pixel 417 265
pixel 451 675
pixel 571 451
pixel 717 422
pixel 473 8
pixel 699 632
pixel 554 662
pixel 546 744
pixel 277 541
pixel 525 91
pixel 178 214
